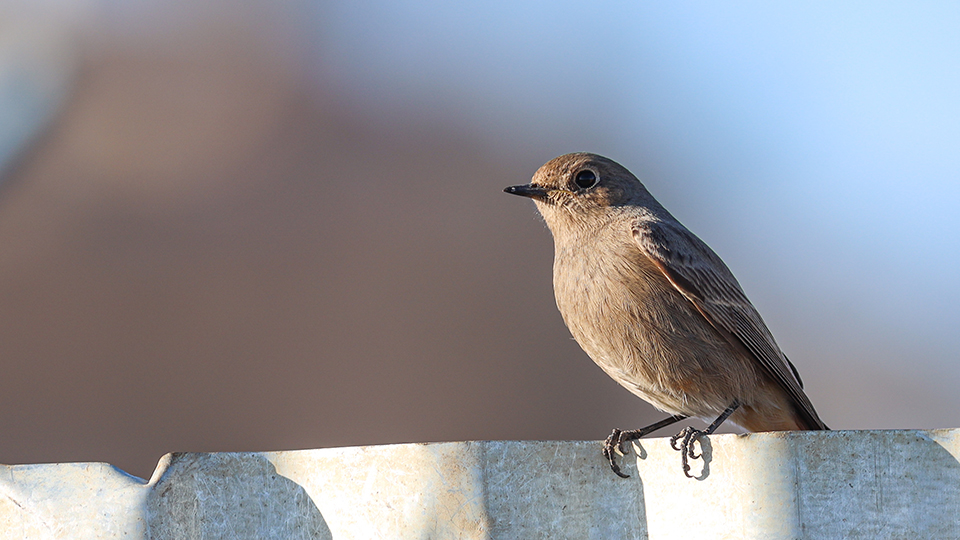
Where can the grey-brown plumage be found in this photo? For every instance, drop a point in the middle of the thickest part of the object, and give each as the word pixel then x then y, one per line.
pixel 654 306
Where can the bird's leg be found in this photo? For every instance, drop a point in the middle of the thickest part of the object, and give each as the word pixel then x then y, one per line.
pixel 688 436
pixel 614 443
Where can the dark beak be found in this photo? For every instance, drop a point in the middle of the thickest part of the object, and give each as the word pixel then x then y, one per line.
pixel 527 190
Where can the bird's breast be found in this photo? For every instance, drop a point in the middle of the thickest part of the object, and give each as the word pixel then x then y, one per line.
pixel 634 324
pixel 611 298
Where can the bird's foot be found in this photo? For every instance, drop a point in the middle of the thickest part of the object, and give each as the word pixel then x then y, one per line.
pixel 686 438
pixel 614 445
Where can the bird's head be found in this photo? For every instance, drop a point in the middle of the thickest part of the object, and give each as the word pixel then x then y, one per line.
pixel 583 188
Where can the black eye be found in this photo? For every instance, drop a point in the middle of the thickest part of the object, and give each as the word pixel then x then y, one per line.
pixel 586 179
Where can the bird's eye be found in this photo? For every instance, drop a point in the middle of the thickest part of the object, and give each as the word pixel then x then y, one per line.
pixel 585 179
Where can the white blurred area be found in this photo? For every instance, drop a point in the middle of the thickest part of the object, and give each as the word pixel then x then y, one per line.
pixel 813 146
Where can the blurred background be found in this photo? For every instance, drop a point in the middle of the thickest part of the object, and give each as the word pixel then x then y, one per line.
pixel 270 225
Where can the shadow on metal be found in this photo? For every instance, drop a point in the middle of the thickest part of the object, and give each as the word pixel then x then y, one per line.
pixel 232 496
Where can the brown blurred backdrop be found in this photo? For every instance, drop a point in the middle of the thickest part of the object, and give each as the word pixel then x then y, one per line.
pixel 213 248
pixel 202 254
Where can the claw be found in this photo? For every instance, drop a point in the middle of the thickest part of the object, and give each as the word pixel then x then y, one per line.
pixel 612 446
pixel 689 436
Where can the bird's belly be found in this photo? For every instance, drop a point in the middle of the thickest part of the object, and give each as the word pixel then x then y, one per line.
pixel 651 340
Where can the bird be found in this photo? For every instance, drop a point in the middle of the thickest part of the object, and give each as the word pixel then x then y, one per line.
pixel 658 310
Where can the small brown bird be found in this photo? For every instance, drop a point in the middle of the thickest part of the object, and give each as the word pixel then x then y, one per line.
pixel 658 310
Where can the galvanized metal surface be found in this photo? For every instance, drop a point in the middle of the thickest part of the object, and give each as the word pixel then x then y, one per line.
pixel 842 484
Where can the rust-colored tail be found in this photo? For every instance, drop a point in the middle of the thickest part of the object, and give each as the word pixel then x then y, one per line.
pixel 776 413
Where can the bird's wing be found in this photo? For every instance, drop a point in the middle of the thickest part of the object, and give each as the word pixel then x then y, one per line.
pixel 699 274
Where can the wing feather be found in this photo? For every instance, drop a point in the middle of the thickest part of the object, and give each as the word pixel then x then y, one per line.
pixel 702 277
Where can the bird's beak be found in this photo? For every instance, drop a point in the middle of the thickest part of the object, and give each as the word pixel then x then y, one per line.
pixel 527 190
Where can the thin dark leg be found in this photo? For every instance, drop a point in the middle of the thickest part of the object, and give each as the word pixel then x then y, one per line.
pixel 688 436
pixel 614 443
